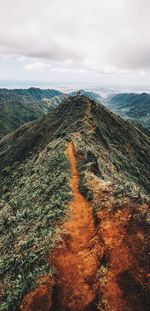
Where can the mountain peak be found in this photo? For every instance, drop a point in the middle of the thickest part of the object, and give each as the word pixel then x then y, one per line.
pixel 96 125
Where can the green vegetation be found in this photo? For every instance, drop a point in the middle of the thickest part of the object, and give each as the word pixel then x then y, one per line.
pixel 114 151
pixel 133 106
pixel 16 110
pixel 20 106
pixel 37 93
pixel 34 198
pixel 34 182
pixel 35 191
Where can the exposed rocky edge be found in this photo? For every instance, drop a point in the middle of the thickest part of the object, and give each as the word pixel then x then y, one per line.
pixel 113 159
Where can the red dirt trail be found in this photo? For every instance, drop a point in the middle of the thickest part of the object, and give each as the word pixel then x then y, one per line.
pixel 118 257
pixel 76 259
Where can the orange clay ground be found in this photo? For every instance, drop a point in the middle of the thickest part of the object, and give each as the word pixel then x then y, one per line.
pixel 79 282
pixel 77 259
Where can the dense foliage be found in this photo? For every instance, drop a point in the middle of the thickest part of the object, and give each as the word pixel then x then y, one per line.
pixel 34 196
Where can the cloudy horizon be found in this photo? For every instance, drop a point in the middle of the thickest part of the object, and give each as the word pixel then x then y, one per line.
pixel 97 42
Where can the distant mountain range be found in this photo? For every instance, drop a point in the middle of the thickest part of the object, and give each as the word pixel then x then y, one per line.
pixel 20 106
pixel 36 93
pixel 132 106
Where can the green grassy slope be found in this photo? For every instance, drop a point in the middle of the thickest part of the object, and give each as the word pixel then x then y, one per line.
pixel 132 106
pixel 19 106
pixel 16 110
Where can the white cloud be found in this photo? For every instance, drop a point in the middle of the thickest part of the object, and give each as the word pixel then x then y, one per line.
pixel 38 66
pixel 105 37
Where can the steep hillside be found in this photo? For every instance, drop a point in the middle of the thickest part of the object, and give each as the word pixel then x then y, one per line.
pixel 19 106
pixel 16 110
pixel 74 207
pixel 132 106
pixel 55 101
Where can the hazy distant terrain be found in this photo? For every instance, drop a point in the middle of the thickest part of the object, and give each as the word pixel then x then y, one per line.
pixel 37 93
pixel 132 106
pixel 19 106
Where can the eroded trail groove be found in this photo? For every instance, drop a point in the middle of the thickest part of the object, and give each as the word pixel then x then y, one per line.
pixel 76 258
pixel 118 258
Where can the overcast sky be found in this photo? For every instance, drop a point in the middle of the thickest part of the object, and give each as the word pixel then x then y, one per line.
pixel 104 42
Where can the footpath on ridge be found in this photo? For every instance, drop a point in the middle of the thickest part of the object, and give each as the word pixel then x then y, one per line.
pixel 76 260
pixel 92 261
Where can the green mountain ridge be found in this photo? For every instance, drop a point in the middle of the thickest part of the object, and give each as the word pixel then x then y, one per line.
pixel 20 106
pixel 106 126
pixel 35 93
pixel 35 188
pixel 16 110
pixel 132 106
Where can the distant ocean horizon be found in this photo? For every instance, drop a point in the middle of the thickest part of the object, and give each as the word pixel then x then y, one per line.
pixel 67 87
